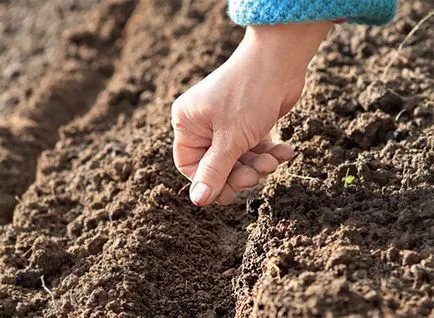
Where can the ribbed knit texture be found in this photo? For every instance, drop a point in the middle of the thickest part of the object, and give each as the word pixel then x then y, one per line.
pixel 374 12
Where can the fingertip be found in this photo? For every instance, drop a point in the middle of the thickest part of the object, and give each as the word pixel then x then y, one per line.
pixel 282 152
pixel 200 193
pixel 212 171
pixel 243 177
pixel 265 164
pixel 227 196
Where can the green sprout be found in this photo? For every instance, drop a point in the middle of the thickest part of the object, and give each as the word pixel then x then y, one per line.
pixel 348 179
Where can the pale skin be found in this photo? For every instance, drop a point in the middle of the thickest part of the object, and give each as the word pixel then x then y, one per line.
pixel 222 124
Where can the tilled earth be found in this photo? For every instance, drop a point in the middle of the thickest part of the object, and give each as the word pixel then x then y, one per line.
pixel 96 219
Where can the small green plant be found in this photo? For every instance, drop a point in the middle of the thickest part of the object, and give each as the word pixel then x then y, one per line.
pixel 348 179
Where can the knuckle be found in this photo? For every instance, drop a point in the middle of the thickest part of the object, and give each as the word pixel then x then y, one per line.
pixel 240 138
pixel 235 148
pixel 176 114
pixel 212 169
pixel 176 107
pixel 176 123
pixel 176 104
pixel 180 103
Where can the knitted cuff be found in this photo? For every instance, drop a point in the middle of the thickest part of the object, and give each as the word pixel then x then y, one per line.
pixel 373 12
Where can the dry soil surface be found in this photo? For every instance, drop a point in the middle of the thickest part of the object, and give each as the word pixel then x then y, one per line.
pixel 97 222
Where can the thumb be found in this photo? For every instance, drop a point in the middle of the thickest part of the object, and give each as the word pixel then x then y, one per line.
pixel 212 172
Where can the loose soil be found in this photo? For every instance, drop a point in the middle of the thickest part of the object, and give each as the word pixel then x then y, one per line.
pixel 29 33
pixel 97 221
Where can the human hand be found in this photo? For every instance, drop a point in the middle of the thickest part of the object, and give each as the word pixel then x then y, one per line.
pixel 222 124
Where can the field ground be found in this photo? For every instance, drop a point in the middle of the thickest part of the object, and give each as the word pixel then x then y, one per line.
pixel 95 221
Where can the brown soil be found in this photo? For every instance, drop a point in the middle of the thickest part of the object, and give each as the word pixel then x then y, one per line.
pixel 83 62
pixel 103 216
pixel 29 33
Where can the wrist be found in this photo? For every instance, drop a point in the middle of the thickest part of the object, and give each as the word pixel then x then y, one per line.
pixel 290 31
pixel 290 44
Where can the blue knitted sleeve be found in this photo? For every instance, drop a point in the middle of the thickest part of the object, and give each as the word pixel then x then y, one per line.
pixel 375 12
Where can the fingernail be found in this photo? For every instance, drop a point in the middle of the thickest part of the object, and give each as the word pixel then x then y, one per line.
pixel 200 193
